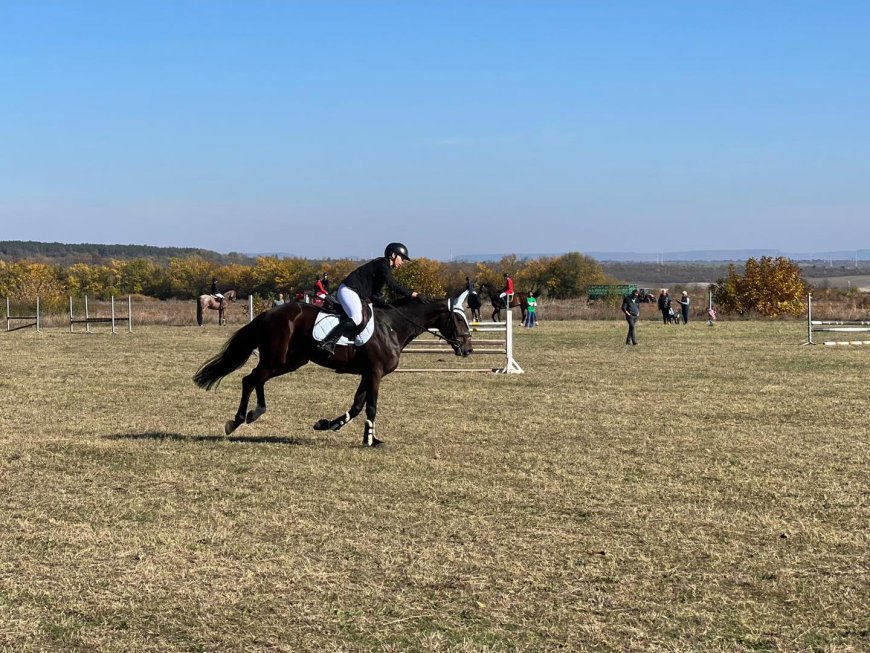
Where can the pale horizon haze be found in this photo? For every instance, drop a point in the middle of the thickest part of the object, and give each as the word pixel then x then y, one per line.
pixel 327 129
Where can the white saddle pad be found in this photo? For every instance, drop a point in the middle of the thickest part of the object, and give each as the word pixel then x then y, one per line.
pixel 324 322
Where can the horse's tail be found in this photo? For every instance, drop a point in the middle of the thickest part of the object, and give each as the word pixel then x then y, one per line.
pixel 234 354
pixel 199 311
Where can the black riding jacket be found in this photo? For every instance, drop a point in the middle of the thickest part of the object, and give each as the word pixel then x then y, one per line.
pixel 369 279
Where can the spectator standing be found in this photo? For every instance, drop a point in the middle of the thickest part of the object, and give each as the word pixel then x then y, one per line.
pixel 684 301
pixel 665 305
pixel 279 301
pixel 531 312
pixel 631 310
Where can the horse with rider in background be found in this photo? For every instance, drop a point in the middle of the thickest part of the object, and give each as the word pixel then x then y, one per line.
pixel 517 299
pixel 217 302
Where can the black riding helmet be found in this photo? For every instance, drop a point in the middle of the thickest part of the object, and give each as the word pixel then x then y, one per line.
pixel 397 248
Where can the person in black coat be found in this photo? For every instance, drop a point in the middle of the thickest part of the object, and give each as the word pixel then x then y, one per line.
pixel 665 305
pixel 364 284
pixel 631 310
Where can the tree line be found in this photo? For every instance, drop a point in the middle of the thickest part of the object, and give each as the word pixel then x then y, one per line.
pixel 770 287
pixel 562 277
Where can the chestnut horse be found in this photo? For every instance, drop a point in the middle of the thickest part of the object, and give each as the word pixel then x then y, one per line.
pixel 283 336
pixel 212 302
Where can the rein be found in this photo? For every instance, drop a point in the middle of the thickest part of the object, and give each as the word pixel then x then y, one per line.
pixel 453 340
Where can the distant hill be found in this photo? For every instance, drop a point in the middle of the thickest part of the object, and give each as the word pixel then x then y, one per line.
pixel 67 254
pixel 710 255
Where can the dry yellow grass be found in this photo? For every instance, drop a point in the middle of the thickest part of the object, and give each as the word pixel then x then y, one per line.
pixel 706 490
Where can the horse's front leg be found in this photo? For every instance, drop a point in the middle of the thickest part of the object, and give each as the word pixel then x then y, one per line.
pixel 373 387
pixel 359 400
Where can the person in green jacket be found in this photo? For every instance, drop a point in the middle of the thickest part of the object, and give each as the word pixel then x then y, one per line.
pixel 531 312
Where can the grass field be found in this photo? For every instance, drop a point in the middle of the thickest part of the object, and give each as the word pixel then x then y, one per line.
pixel 706 490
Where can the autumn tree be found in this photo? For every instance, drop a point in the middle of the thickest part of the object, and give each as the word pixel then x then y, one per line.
pixel 422 275
pixel 25 281
pixel 99 281
pixel 190 277
pixel 568 275
pixel 769 287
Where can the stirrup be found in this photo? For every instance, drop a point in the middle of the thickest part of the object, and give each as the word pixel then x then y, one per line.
pixel 326 347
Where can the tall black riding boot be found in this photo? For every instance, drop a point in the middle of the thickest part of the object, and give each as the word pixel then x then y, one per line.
pixel 327 345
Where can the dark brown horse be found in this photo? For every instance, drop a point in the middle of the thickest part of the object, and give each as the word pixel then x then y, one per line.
pixel 210 301
pixel 518 299
pixel 474 305
pixel 283 336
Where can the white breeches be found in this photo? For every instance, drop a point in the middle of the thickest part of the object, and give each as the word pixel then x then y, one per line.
pixel 351 304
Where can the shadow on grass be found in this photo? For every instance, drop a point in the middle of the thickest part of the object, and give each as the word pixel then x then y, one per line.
pixel 178 437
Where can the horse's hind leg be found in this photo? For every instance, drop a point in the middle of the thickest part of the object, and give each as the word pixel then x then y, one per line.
pixel 254 415
pixel 252 381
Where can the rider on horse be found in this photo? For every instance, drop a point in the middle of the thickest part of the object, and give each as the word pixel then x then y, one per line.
pixel 363 284
pixel 320 287
pixel 508 289
pixel 215 292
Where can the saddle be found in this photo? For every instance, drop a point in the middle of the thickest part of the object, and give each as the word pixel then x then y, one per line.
pixel 329 315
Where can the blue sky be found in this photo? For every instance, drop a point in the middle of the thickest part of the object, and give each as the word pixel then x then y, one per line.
pixel 330 128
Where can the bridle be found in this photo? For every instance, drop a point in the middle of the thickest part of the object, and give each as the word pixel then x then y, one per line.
pixel 451 339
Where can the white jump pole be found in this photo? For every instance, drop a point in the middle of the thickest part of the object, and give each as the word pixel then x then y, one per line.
pixel 70 315
pixel 129 314
pixel 37 314
pixel 511 365
pixel 113 314
pixel 250 308
pixel 809 320
pixel 87 316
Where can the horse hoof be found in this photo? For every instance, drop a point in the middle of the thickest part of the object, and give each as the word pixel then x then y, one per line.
pixel 372 442
pixel 231 426
pixel 322 425
pixel 254 415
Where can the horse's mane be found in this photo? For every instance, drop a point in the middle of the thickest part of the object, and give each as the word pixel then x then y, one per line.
pixel 405 301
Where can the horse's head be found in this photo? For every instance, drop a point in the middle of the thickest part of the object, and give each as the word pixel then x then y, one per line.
pixel 455 327
pixel 411 317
